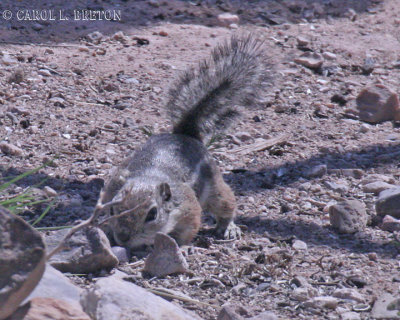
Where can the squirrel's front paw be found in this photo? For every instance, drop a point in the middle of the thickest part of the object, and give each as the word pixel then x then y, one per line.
pixel 231 231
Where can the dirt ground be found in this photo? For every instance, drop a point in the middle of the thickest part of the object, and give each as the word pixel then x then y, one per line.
pixel 86 105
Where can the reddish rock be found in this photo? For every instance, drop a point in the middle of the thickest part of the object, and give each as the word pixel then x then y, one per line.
pixel 22 261
pixel 377 103
pixel 348 216
pixel 48 309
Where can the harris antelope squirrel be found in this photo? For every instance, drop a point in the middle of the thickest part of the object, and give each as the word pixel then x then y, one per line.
pixel 166 184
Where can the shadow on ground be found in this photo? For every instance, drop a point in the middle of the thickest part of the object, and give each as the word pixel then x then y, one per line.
pixel 268 177
pixel 76 200
pixel 249 182
pixel 18 22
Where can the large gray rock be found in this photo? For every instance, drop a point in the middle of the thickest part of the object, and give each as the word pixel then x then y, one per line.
pixel 22 261
pixel 377 103
pixel 348 216
pixel 112 298
pixel 388 203
pixel 377 187
pixel 88 251
pixel 55 285
pixel 386 307
pixel 48 309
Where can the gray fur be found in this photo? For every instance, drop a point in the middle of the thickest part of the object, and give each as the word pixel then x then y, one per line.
pixel 173 174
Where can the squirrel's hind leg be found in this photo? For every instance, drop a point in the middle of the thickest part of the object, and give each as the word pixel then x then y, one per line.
pixel 222 204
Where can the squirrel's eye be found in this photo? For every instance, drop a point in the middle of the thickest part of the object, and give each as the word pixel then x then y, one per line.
pixel 151 215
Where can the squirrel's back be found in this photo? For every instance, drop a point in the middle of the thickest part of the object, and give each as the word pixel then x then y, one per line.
pixel 206 98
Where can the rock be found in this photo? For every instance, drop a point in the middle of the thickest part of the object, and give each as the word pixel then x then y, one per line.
pixel 111 87
pixel 58 102
pixel 229 312
pixel 48 309
pixel 55 284
pixel 317 171
pixel 227 18
pixel 368 66
pixel 10 149
pixel 113 298
pixel 119 36
pixel 7 60
pixel 386 306
pixel 303 293
pixel 88 251
pixel 348 216
pixel 354 173
pixel 390 224
pixel 243 136
pixel 44 72
pixel 310 60
pixel 163 33
pixel 377 103
pixel 131 80
pixel 83 49
pixel 300 281
pixel 377 187
pixel 95 37
pixel 166 257
pixel 388 203
pixel 364 128
pixel 266 315
pixel 101 51
pixel 154 3
pixel 373 256
pixel 22 261
pixel 329 55
pixel 378 177
pixel 322 302
pixel 20 111
pixel 339 98
pixel 351 14
pixel 50 192
pixel 350 315
pixel 16 77
pixel 341 188
pixel 349 294
pixel 121 253
pixel 302 41
pixel 299 245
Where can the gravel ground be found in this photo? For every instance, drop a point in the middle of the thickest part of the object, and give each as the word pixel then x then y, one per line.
pixel 85 104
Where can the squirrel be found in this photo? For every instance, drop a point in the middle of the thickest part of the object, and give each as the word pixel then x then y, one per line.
pixel 166 184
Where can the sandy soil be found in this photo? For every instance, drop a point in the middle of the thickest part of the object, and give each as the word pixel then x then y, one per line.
pixel 86 105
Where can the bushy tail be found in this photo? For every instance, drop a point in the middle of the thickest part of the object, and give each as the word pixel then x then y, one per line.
pixel 206 98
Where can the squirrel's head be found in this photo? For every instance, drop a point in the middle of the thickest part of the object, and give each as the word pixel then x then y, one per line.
pixel 143 210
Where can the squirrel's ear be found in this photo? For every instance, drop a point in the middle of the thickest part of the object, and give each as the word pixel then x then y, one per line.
pixel 164 191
